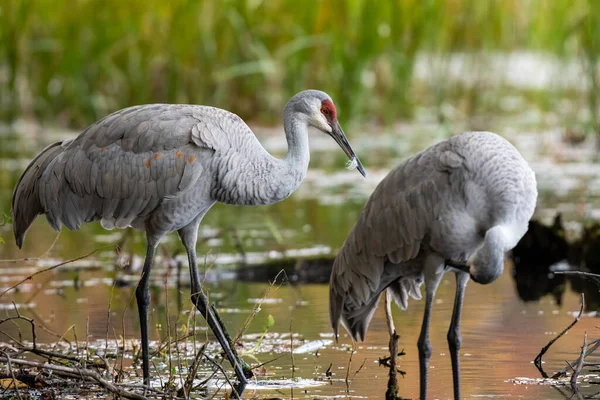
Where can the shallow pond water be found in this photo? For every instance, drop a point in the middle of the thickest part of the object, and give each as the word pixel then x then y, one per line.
pixel 501 333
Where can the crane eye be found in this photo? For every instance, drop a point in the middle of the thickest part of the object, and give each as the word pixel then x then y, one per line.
pixel 325 111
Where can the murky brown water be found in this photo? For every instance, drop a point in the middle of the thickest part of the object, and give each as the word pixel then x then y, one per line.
pixel 501 333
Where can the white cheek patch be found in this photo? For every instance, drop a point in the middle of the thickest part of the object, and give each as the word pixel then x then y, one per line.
pixel 351 164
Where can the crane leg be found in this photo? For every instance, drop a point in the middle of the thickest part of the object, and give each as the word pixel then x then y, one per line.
pixel 432 280
pixel 189 235
pixel 454 339
pixel 142 295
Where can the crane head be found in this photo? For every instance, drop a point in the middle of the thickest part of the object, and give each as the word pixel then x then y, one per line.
pixel 322 115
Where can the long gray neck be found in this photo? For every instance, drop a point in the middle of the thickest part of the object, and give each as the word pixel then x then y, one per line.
pixel 255 177
pixel 290 170
pixel 298 155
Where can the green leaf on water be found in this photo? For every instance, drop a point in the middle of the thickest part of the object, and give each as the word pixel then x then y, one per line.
pixel 270 321
pixel 2 240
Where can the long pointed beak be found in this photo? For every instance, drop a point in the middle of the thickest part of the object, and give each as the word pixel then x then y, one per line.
pixel 338 135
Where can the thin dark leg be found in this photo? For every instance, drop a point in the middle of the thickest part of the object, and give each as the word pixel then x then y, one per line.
pixel 454 339
pixel 142 294
pixel 425 346
pixel 188 236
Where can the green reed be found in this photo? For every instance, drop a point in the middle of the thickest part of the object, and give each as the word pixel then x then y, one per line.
pixel 73 61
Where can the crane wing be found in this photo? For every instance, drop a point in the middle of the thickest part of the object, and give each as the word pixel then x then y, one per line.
pixel 123 166
pixel 392 227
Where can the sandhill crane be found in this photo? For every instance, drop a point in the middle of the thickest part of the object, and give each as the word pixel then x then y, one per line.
pixel 459 206
pixel 159 168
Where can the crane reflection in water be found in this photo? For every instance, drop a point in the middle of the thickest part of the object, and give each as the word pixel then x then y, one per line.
pixel 544 250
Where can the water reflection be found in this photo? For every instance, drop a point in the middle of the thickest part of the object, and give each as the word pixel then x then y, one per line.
pixel 544 250
pixel 536 257
pixel 297 271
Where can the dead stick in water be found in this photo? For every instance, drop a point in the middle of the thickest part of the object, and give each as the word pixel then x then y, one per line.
pixel 12 374
pixel 83 373
pixel 592 346
pixel 595 278
pixel 538 359
pixel 580 362
pixel 293 360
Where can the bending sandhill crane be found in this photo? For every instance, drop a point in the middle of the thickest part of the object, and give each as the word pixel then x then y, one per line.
pixel 159 168
pixel 468 200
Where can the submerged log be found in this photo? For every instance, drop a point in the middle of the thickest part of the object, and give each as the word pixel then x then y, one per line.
pixel 298 270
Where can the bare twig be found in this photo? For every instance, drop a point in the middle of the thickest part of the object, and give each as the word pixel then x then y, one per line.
pixel 76 340
pixel 29 320
pixel 238 244
pixel 12 374
pixel 267 362
pixel 587 275
pixel 538 359
pixel 112 290
pixel 293 360
pixel 359 368
pixel 220 368
pixel 164 345
pixel 257 307
pixel 347 379
pixel 84 373
pixel 35 258
pixel 40 289
pixel 30 277
pixel 189 380
pixel 123 331
pixel 49 355
pixel 87 339
pixel 62 337
pixel 592 346
pixel 580 362
pixel 40 323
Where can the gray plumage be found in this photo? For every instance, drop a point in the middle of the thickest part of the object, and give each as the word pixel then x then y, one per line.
pixel 467 199
pixel 159 168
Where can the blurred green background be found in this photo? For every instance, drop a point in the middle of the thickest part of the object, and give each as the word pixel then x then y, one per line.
pixel 73 61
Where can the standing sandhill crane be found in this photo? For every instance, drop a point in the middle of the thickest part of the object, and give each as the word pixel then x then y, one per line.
pixel 468 200
pixel 159 168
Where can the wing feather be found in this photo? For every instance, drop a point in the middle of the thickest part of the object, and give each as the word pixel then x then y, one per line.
pixel 393 227
pixel 126 164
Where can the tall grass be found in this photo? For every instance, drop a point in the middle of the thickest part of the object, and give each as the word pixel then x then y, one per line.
pixel 73 61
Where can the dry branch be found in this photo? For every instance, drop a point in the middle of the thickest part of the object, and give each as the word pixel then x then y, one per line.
pixel 580 362
pixel 538 359
pixel 592 346
pixel 30 277
pixel 348 379
pixel 12 374
pixel 49 355
pixel 35 258
pixel 235 389
pixel 587 275
pixel 85 374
